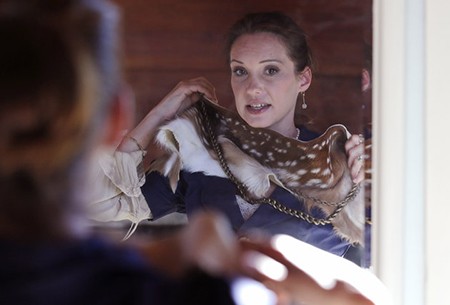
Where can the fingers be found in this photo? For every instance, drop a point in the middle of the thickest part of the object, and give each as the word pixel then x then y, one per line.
pixel 210 243
pixel 290 283
pixel 260 261
pixel 265 247
pixel 192 89
pixel 183 95
pixel 354 148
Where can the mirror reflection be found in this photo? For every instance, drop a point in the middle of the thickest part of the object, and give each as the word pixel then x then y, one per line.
pixel 254 160
pixel 166 51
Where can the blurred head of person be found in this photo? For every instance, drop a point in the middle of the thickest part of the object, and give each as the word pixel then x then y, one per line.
pixel 59 80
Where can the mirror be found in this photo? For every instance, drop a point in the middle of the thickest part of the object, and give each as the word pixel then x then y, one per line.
pixel 166 41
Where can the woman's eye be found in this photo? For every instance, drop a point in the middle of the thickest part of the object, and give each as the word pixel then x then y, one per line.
pixel 239 71
pixel 272 71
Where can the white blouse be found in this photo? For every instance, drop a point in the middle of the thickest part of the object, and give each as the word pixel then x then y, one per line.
pixel 117 196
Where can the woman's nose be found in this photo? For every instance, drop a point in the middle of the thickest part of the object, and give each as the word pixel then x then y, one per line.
pixel 254 86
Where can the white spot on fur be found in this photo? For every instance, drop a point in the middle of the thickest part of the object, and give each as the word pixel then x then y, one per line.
pixel 256 153
pixel 326 172
pixel 314 182
pixel 302 172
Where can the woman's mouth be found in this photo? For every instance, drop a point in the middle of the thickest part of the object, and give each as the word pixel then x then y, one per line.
pixel 256 108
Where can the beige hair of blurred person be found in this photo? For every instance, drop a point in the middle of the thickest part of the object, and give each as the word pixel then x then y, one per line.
pixel 59 88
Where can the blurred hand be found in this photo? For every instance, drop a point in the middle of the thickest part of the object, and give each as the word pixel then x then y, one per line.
pixel 296 286
pixel 210 244
pixel 207 242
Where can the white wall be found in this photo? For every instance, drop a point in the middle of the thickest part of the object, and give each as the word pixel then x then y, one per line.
pixel 438 151
pixel 411 183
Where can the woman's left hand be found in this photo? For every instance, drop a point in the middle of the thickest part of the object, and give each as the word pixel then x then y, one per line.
pixel 355 150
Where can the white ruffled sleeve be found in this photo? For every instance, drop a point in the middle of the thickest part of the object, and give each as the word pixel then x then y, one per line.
pixel 117 191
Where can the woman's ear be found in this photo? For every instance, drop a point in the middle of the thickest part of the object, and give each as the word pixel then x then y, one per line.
pixel 121 116
pixel 305 78
pixel 365 80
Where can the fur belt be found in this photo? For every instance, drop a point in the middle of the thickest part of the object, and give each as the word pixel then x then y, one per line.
pixel 211 139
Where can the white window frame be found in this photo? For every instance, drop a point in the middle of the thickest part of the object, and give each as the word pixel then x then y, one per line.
pixel 411 103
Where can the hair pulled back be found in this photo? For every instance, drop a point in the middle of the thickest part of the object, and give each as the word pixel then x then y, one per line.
pixel 279 24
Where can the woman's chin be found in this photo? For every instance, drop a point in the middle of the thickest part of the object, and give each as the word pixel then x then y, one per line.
pixel 256 121
pixel 258 124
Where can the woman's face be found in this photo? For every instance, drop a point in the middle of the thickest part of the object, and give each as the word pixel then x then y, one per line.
pixel 264 81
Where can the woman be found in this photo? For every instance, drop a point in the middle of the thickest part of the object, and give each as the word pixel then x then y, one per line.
pixel 270 67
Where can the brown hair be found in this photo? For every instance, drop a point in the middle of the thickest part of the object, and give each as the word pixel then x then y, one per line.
pixel 279 24
pixel 58 72
pixel 52 60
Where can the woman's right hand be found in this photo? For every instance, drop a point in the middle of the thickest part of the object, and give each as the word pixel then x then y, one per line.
pixel 185 93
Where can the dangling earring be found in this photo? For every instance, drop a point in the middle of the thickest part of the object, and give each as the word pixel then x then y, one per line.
pixel 304 105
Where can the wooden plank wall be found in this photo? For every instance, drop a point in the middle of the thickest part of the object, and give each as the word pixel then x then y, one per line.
pixel 166 41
